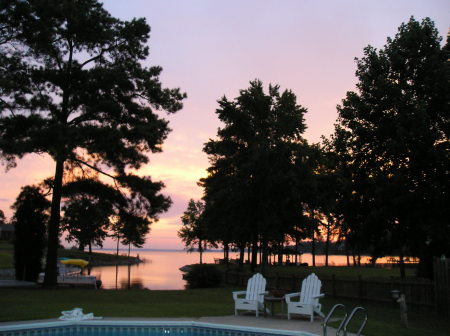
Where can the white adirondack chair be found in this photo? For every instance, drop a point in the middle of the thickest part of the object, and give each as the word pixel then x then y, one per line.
pixel 254 295
pixel 308 302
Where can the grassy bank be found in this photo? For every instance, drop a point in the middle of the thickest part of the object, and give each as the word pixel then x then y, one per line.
pixel 26 304
pixel 97 258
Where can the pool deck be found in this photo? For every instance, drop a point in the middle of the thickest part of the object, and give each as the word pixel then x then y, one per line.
pixel 272 322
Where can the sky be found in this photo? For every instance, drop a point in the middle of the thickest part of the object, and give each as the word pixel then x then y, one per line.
pixel 214 48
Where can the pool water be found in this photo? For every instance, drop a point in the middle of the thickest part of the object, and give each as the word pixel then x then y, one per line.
pixel 139 329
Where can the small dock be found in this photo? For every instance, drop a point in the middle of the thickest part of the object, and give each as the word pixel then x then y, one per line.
pixel 74 280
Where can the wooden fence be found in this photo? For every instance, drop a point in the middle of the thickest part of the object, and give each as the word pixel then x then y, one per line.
pixel 419 293
pixel 442 288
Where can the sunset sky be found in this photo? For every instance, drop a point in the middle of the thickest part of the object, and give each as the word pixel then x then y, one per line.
pixel 214 48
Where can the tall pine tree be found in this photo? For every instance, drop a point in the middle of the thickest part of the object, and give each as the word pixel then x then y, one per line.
pixel 75 89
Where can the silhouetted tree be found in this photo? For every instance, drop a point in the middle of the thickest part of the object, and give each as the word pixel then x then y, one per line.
pixel 93 208
pixel 86 221
pixel 395 133
pixel 133 230
pixel 84 98
pixel 29 219
pixel 2 217
pixel 251 190
pixel 193 232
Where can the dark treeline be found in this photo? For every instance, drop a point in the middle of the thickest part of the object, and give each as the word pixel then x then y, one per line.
pixel 379 185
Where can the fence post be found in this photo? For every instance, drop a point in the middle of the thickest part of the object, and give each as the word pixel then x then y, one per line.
pixel 442 286
pixel 360 281
pixel 333 285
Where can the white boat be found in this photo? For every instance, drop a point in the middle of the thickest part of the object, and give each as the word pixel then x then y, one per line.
pixel 71 276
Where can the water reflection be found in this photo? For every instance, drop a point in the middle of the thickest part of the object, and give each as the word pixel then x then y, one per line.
pixel 161 269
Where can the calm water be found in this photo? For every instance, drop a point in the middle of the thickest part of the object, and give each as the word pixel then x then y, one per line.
pixel 161 269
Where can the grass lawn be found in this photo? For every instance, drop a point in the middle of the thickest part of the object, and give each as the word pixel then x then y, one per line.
pixel 384 319
pixel 30 304
pixel 6 255
pixel 26 304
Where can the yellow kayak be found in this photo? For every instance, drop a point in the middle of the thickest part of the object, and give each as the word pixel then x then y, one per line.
pixel 75 262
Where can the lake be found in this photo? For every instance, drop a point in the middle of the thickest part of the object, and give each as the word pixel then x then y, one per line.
pixel 161 268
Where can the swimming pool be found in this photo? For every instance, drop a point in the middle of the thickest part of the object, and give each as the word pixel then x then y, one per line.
pixel 138 328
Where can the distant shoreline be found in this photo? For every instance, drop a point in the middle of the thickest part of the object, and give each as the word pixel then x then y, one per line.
pixel 208 251
pixel 151 250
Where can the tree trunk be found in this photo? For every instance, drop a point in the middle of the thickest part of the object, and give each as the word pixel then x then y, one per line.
pixel 81 247
pixel 280 254
pixel 260 253
pixel 50 278
pixel 347 253
pixel 327 244
pixel 254 253
pixel 90 248
pixel 200 250
pixel 226 254
pixel 401 263
pixel 241 255
pixel 264 256
pixel 313 250
pixel 117 247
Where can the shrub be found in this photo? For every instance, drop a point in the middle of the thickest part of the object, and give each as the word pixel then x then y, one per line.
pixel 203 276
pixel 30 218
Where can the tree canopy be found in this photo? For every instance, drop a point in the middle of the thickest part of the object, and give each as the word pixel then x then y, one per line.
pixel 392 139
pixel 193 232
pixel 252 191
pixel 86 220
pixel 73 86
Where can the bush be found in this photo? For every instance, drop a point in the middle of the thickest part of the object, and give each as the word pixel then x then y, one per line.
pixel 30 219
pixel 203 276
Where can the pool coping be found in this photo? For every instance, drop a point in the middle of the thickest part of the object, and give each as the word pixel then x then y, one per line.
pixel 17 326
